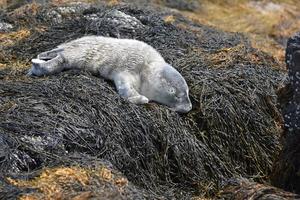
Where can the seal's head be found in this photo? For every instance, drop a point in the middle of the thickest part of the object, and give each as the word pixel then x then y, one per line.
pixel 169 87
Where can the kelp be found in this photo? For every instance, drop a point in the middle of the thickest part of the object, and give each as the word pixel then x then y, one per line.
pixel 233 129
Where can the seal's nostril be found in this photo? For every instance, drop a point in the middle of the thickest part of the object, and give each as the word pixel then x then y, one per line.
pixel 183 108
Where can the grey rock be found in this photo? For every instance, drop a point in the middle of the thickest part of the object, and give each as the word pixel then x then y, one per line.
pixel 5 27
pixel 116 21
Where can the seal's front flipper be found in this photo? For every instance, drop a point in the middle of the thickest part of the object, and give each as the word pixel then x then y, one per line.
pixel 125 85
pixel 140 99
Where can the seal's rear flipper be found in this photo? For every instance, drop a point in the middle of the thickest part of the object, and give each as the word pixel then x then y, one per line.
pixel 36 68
pixel 42 67
pixel 37 61
pixel 48 55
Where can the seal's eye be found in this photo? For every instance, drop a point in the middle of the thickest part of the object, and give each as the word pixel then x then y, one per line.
pixel 172 90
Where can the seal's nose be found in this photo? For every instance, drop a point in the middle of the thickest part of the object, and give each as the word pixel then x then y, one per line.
pixel 184 108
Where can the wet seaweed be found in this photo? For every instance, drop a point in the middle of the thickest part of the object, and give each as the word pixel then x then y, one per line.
pixel 231 131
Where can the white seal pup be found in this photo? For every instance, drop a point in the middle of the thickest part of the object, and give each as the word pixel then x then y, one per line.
pixel 139 72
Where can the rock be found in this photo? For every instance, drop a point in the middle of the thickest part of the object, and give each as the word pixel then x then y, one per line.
pixel 265 7
pixel 190 5
pixel 286 173
pixel 231 131
pixel 58 14
pixel 116 21
pixel 5 27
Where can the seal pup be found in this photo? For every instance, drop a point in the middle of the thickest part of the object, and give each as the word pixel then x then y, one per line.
pixel 139 72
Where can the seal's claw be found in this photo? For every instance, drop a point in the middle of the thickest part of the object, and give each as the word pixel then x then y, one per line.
pixel 29 73
pixel 143 100
pixel 138 99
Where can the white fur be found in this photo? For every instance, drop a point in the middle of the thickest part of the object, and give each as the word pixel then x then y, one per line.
pixel 135 67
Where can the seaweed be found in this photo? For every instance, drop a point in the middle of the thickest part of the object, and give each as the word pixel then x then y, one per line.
pixel 233 129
